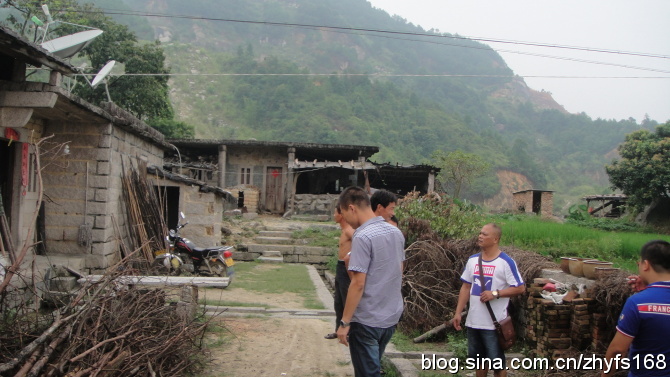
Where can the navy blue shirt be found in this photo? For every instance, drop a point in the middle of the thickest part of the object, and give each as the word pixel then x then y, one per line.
pixel 646 318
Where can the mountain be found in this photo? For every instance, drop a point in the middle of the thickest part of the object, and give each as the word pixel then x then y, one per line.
pixel 340 79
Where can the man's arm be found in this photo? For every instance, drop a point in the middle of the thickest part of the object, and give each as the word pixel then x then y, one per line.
pixel 354 295
pixel 619 346
pixel 463 298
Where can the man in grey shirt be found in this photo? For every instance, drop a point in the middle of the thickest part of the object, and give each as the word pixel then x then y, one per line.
pixel 374 300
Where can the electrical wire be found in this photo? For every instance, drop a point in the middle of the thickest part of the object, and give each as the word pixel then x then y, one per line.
pixel 109 11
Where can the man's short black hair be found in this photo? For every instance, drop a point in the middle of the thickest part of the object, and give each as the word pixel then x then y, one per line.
pixel 382 197
pixel 657 252
pixel 353 195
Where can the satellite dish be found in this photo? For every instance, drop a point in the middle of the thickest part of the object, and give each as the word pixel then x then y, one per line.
pixel 69 45
pixel 102 74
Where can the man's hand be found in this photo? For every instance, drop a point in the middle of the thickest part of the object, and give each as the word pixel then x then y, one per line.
pixel 343 335
pixel 456 321
pixel 635 283
pixel 486 296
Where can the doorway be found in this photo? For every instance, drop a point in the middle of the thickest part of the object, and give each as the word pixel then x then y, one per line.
pixel 274 201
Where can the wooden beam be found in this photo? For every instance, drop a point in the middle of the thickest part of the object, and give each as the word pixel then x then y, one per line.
pixel 158 281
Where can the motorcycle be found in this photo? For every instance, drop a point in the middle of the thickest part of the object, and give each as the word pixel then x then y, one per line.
pixel 183 254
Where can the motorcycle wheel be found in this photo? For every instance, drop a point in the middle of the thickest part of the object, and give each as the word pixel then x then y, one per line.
pixel 160 269
pixel 219 269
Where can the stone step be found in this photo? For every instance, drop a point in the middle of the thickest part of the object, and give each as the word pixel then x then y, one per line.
pixel 321 218
pixel 272 253
pixel 261 248
pixel 271 259
pixel 274 240
pixel 275 233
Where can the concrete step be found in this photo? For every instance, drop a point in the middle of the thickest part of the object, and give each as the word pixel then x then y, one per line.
pixel 261 248
pixel 272 253
pixel 271 259
pixel 274 240
pixel 275 233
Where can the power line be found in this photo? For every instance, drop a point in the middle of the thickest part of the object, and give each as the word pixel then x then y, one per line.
pixel 377 75
pixel 381 31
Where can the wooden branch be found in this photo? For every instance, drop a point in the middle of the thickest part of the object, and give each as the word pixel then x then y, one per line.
pixel 83 354
pixel 435 330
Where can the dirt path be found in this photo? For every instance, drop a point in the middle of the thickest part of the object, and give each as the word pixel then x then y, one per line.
pixel 276 344
pixel 280 347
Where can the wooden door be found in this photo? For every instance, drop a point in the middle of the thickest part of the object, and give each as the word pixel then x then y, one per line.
pixel 274 201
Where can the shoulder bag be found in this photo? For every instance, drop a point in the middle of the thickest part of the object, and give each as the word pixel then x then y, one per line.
pixel 504 328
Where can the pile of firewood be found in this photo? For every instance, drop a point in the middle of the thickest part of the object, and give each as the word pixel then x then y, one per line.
pixel 105 330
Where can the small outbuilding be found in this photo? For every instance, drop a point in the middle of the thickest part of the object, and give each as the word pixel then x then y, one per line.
pixel 539 202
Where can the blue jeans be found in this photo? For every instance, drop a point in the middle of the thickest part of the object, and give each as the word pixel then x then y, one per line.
pixel 367 345
pixel 484 344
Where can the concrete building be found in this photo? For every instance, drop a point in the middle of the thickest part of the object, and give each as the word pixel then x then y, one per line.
pixel 84 151
pixel 294 178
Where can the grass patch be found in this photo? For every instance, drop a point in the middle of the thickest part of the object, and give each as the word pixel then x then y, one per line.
pixel 317 237
pixel 280 278
pixel 404 343
pixel 557 240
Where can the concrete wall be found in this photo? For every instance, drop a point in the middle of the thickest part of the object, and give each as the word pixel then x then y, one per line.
pixel 98 151
pixel 258 160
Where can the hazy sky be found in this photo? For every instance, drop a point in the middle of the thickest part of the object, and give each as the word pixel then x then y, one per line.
pixel 621 25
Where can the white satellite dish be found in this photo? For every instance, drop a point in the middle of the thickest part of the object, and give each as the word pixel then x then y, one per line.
pixel 102 74
pixel 69 45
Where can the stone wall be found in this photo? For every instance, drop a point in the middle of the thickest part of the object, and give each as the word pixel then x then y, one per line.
pixel 98 153
pixel 204 212
pixel 309 204
pixel 314 255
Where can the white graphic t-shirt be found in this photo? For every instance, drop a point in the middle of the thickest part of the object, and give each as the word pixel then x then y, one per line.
pixel 499 273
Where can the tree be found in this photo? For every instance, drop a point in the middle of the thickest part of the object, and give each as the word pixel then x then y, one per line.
pixel 643 172
pixel 173 129
pixel 458 169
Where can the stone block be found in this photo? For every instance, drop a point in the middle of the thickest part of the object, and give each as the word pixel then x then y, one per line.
pixel 101 195
pixel 102 235
pixel 313 250
pixel 60 220
pixel 95 261
pixel 293 258
pixel 62 284
pixel 103 248
pixel 99 181
pixel 103 168
pixel 61 233
pixel 102 221
pixel 311 259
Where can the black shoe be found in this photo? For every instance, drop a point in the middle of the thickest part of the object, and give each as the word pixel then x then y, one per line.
pixel 332 335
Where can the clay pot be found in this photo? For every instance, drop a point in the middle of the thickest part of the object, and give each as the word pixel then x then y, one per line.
pixel 604 272
pixel 589 267
pixel 576 266
pixel 565 264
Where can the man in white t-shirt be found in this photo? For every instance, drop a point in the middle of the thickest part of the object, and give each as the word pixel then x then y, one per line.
pixel 502 280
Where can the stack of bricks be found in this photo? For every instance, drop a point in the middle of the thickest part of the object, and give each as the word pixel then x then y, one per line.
pixel 581 323
pixel 549 327
pixel 556 338
pixel 535 326
pixel 600 334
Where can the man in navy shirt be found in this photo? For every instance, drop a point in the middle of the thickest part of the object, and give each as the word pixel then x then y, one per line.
pixel 643 330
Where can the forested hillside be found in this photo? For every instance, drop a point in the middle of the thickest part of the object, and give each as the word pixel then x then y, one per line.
pixel 372 99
